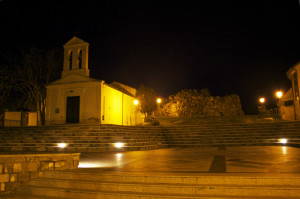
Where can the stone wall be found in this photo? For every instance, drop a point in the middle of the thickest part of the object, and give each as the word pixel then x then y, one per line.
pixel 194 103
pixel 19 168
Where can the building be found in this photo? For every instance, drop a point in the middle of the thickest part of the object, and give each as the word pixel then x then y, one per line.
pixel 77 98
pixel 290 103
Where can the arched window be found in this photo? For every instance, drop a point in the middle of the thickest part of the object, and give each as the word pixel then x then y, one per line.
pixel 70 60
pixel 80 59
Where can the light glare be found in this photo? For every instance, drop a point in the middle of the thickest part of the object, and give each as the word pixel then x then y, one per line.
pixel 136 102
pixel 158 100
pixel 284 150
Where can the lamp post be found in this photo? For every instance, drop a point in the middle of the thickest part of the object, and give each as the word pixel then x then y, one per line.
pixel 261 108
pixel 158 101
pixel 262 100
pixel 279 95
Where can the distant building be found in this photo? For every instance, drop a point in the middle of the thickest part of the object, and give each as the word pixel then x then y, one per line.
pixel 20 118
pixel 290 102
pixel 77 98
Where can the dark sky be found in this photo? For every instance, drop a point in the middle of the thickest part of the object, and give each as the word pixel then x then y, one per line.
pixel 228 47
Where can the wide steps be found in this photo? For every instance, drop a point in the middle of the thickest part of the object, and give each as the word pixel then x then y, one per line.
pixel 95 138
pixel 204 178
pixel 57 193
pixel 88 185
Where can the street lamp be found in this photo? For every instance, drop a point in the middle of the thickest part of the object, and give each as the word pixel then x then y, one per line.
pixel 279 94
pixel 262 100
pixel 136 102
pixel 261 108
pixel 158 100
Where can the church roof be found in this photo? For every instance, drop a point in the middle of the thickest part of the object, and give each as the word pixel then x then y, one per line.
pixel 292 69
pixel 75 41
pixel 120 87
pixel 287 96
pixel 73 78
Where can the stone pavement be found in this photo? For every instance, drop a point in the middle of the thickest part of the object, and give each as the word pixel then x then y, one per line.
pixel 174 173
pixel 247 159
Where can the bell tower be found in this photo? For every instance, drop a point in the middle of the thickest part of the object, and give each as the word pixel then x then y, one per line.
pixel 76 53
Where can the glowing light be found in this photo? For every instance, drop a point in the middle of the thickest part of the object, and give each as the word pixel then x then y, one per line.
pixel 158 100
pixel 284 150
pixel 62 145
pixel 119 145
pixel 136 102
pixel 262 100
pixel 90 165
pixel 279 94
pixel 283 141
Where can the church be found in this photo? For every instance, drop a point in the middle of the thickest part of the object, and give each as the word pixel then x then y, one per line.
pixel 78 98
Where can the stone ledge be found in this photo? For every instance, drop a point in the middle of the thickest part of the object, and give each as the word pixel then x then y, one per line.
pixel 17 168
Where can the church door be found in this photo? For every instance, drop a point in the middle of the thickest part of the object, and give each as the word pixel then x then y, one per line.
pixel 73 109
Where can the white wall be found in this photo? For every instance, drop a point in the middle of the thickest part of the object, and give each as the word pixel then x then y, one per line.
pixel 89 110
pixel 12 118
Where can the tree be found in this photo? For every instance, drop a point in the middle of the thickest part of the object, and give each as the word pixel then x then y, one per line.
pixel 5 86
pixel 147 98
pixel 33 69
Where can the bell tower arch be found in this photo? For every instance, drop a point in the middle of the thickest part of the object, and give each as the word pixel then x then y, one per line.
pixel 76 53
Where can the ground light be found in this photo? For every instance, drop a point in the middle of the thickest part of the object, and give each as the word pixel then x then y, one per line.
pixel 62 145
pixel 119 145
pixel 283 141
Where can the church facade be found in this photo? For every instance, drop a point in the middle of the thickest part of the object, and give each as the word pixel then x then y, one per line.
pixel 77 98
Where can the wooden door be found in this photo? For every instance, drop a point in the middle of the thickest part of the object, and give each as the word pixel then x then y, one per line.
pixel 73 104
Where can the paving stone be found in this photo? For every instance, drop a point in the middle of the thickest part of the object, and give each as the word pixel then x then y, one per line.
pixel 2 186
pixel 17 167
pixel 4 177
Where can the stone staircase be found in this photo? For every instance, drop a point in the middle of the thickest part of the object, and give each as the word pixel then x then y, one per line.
pixel 81 138
pixel 95 138
pixel 89 184
pixel 243 134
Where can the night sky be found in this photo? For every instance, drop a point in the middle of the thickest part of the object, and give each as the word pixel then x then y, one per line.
pixel 243 48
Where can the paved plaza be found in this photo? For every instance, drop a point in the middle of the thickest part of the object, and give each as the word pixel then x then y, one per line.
pixel 247 159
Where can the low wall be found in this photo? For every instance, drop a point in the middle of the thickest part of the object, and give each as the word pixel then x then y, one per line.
pixel 19 168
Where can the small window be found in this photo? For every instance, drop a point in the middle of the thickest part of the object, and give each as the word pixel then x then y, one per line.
pixel 70 60
pixel 289 103
pixel 80 59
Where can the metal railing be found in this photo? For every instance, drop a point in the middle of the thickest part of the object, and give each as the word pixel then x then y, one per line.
pixel 275 113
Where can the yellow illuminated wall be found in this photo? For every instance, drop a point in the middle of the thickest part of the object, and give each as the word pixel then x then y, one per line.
pixel 118 108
